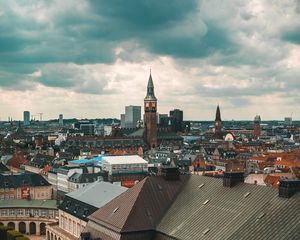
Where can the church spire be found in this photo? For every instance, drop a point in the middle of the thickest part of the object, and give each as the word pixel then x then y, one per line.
pixel 150 89
pixel 218 114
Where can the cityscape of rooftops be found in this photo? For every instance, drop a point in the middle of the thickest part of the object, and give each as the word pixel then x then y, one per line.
pixel 154 120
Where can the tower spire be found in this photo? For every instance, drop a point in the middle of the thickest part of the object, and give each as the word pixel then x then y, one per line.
pixel 218 114
pixel 150 89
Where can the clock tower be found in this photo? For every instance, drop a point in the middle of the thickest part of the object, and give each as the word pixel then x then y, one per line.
pixel 150 118
pixel 218 121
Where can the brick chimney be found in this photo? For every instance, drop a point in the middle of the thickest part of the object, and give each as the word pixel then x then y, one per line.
pixel 230 179
pixel 288 187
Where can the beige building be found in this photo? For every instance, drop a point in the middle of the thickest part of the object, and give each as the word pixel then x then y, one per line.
pixel 77 206
pixel 28 216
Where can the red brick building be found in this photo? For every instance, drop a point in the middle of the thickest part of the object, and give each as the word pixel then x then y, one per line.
pixel 150 118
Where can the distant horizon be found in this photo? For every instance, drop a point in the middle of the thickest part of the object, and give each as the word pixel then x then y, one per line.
pixel 188 120
pixel 91 58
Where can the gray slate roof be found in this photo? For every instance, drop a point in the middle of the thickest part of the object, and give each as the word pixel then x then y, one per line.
pixel 97 194
pixel 206 210
pixel 19 203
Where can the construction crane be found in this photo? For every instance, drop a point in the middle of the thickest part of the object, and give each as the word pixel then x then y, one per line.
pixel 41 116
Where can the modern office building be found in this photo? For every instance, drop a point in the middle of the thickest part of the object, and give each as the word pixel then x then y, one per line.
pixel 26 118
pixel 131 117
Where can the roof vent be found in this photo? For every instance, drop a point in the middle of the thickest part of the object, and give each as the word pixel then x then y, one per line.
pixel 116 209
pixel 246 194
pixel 201 185
pixel 206 231
pixel 260 216
pixel 206 202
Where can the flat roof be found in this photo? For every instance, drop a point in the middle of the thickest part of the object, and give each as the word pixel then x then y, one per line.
pixel 125 159
pixel 87 160
pixel 23 203
pixel 98 193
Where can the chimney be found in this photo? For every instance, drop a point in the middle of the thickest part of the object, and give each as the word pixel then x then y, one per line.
pixel 288 187
pixel 230 179
pixel 170 173
pixel 85 236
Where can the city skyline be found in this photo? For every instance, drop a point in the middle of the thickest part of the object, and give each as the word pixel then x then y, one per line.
pixel 91 59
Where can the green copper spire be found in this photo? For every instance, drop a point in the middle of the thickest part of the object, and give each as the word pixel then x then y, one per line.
pixel 150 90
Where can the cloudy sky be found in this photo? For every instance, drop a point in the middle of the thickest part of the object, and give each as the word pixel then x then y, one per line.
pixel 89 59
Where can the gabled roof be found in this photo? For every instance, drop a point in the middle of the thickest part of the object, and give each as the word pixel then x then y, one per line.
pixel 141 207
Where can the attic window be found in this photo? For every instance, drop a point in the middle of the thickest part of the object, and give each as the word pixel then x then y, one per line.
pixel 86 212
pixel 206 231
pixel 76 208
pixel 206 202
pixel 246 194
pixel 116 209
pixel 68 204
pixel 201 185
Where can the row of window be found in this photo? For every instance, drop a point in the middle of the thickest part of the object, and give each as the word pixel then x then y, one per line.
pixel 11 196
pixel 6 189
pixel 27 212
pixel 71 226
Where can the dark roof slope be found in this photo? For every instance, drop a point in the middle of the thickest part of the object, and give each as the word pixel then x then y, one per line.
pixel 77 208
pixel 141 207
pixel 205 209
pixel 3 168
pixel 24 179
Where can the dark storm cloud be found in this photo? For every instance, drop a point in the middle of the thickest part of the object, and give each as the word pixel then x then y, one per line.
pixel 88 32
pixel 292 36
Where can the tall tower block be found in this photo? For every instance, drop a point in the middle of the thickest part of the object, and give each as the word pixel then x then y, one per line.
pixel 150 119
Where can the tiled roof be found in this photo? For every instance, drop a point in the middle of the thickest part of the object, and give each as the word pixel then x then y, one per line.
pixel 141 207
pixel 16 161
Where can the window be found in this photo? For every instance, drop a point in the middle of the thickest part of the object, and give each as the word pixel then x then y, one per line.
pixel 27 212
pixel 20 211
pixel 43 213
pixel 36 212
pixel 3 212
pixel 11 212
pixel 50 213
